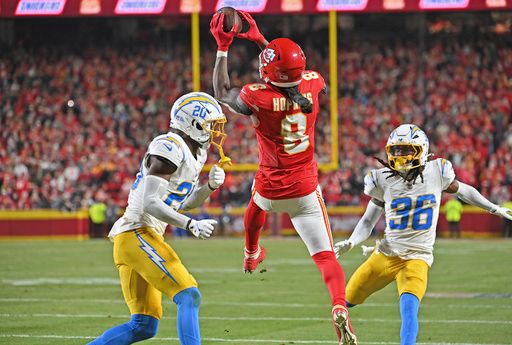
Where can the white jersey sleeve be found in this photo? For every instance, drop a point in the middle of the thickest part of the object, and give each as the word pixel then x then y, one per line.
pixel 372 187
pixel 446 171
pixel 168 148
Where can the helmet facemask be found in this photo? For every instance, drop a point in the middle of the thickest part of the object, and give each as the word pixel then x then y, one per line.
pixel 404 157
pixel 217 137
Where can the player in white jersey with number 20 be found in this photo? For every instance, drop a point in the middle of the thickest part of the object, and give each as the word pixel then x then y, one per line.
pixel 167 182
pixel 408 190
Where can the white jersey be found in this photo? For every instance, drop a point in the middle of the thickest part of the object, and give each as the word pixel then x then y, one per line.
pixel 411 210
pixel 181 184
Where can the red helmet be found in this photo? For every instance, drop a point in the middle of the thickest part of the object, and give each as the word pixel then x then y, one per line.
pixel 282 63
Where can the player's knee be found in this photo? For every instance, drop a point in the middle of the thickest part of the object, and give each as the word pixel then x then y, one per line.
pixel 144 326
pixel 189 297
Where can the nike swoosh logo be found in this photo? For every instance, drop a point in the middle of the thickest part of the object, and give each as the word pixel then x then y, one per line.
pixel 168 147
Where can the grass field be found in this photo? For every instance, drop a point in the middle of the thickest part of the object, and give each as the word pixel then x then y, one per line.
pixel 56 292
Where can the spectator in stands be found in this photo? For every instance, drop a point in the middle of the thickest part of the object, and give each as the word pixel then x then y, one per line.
pixel 98 217
pixel 507 224
pixel 453 213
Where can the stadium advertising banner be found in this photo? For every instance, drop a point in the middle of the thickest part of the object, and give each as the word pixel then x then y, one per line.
pixel 110 8
pixel 40 7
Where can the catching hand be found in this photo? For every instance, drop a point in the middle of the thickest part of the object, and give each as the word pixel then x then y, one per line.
pixel 342 247
pixel 253 34
pixel 223 39
pixel 503 212
pixel 201 228
pixel 216 177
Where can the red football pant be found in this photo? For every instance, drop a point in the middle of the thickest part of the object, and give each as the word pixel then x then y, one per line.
pixel 254 219
pixel 333 275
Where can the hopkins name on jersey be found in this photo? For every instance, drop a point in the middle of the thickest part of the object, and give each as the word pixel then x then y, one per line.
pixel 411 210
pixel 181 184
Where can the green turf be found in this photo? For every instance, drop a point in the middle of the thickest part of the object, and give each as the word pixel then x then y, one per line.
pixel 66 293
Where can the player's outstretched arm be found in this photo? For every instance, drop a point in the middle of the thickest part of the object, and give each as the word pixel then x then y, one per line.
pixel 470 195
pixel 155 186
pixel 223 92
pixel 221 83
pixel 363 228
pixel 216 178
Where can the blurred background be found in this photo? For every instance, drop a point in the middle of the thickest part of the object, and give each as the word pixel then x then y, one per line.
pixel 86 84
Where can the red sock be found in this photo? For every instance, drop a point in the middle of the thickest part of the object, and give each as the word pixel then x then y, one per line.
pixel 254 219
pixel 333 275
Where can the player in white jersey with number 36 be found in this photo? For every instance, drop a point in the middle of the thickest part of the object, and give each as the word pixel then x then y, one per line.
pixel 167 182
pixel 408 190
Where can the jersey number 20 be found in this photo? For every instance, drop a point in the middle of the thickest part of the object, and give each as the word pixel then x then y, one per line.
pixel 293 130
pixel 422 214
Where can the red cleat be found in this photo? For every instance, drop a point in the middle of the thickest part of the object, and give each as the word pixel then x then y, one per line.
pixel 344 330
pixel 252 260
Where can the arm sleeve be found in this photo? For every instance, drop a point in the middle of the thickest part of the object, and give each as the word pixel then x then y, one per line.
pixel 447 172
pixel 241 107
pixel 154 189
pixel 372 187
pixel 168 148
pixel 366 224
pixel 470 195
pixel 197 198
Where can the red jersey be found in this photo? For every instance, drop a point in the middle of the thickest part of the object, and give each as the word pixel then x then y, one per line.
pixel 286 138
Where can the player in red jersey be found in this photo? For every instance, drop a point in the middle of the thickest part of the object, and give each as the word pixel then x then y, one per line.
pixel 284 110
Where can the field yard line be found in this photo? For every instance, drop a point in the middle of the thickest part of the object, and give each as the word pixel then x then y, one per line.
pixel 236 340
pixel 253 318
pixel 255 304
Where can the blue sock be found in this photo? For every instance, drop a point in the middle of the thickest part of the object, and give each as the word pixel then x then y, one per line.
pixel 350 305
pixel 187 320
pixel 409 306
pixel 140 327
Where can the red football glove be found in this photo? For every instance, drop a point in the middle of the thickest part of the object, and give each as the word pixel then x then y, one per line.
pixel 223 39
pixel 253 34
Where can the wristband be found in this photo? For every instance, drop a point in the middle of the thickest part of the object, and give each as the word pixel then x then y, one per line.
pixel 221 53
pixel 211 188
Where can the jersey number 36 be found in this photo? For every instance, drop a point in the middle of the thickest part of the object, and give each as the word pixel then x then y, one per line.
pixel 421 210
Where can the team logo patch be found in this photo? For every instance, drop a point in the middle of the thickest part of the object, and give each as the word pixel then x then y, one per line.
pixel 269 55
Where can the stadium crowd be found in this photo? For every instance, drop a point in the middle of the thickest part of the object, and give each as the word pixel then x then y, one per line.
pixel 75 124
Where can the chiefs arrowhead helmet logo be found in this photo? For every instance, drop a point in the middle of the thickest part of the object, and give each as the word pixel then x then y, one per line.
pixel 269 55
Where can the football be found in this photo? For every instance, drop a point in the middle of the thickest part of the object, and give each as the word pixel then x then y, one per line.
pixel 231 17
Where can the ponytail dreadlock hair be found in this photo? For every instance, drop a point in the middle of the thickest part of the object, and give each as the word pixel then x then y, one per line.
pixel 410 176
pixel 293 93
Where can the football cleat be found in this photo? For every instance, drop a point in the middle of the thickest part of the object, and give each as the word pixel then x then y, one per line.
pixel 344 330
pixel 252 260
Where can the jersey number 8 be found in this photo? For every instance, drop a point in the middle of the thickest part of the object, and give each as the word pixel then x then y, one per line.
pixel 422 214
pixel 293 129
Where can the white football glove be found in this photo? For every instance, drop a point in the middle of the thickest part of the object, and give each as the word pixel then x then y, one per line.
pixel 216 177
pixel 342 247
pixel 503 212
pixel 201 228
pixel 367 250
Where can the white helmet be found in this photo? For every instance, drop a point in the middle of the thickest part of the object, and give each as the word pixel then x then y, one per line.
pixel 407 148
pixel 200 116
